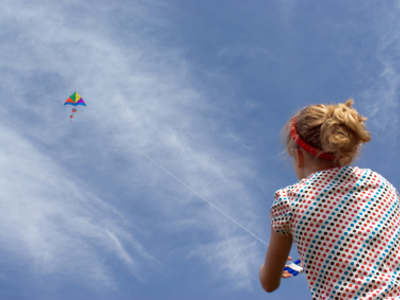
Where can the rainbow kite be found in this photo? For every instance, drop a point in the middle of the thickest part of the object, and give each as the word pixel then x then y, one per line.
pixel 75 100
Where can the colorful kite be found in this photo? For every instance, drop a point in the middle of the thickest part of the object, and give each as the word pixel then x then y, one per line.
pixel 75 100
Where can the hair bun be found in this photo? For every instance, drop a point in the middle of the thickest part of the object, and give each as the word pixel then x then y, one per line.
pixel 343 130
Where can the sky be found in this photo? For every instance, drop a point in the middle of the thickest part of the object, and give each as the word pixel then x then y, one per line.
pixel 160 188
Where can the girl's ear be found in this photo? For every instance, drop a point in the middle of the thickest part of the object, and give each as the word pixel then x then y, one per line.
pixel 300 158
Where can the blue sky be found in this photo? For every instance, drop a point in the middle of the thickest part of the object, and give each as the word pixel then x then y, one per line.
pixel 192 92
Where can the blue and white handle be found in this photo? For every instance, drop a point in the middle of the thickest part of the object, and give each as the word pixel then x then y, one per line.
pixel 294 268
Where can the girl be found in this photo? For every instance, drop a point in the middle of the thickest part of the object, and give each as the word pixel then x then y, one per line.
pixel 344 221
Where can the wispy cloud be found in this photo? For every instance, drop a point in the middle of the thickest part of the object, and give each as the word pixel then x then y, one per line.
pixel 384 95
pixel 234 258
pixel 51 223
pixel 121 250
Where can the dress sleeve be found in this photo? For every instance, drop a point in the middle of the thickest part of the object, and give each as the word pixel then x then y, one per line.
pixel 281 212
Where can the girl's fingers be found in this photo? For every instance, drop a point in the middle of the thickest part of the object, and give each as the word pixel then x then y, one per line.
pixel 286 274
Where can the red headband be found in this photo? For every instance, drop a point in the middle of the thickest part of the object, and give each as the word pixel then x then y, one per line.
pixel 310 149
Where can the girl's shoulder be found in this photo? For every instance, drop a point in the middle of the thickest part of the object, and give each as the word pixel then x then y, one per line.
pixel 288 191
pixel 340 179
pixel 347 178
pixel 339 175
pixel 325 179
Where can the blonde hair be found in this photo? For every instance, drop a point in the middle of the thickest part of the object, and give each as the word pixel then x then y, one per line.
pixel 337 129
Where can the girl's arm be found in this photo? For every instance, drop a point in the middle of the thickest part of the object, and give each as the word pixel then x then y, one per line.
pixel 275 260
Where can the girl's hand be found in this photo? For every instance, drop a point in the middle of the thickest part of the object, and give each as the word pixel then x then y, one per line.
pixel 286 274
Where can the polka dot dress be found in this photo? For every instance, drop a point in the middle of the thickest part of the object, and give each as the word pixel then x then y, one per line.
pixel 345 223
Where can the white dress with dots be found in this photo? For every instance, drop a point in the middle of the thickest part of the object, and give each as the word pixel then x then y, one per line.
pixel 345 223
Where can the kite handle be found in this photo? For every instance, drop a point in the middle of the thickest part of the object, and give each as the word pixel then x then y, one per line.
pixel 294 268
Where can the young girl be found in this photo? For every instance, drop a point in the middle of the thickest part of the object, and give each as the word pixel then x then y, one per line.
pixel 345 221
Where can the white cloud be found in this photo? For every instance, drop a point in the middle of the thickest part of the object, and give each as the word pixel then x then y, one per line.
pixel 383 96
pixel 51 223
pixel 121 250
pixel 235 258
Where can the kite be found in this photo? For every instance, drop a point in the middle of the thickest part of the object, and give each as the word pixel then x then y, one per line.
pixel 75 99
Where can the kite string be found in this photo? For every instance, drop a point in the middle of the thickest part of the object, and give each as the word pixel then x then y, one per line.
pixel 189 188
pixel 192 190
